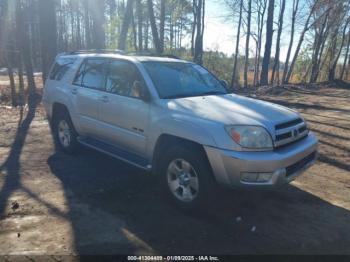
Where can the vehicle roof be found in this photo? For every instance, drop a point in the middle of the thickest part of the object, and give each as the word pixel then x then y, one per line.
pixel 134 58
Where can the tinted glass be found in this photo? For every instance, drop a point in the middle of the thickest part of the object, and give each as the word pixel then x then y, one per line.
pixel 79 76
pixel 61 67
pixel 174 79
pixel 92 73
pixel 122 79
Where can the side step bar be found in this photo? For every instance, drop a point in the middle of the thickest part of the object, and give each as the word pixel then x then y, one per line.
pixel 116 152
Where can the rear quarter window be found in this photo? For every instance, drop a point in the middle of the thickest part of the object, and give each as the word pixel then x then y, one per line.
pixel 61 67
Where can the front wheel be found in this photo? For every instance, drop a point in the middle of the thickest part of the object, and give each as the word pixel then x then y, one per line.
pixel 187 178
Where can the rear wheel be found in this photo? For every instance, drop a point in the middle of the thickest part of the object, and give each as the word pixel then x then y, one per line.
pixel 186 177
pixel 64 132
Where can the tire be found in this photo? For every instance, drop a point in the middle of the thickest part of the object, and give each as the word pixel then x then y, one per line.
pixel 64 133
pixel 179 186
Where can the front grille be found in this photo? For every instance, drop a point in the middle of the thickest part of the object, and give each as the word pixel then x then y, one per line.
pixel 291 142
pixel 302 129
pixel 290 132
pixel 283 136
pixel 289 124
pixel 292 169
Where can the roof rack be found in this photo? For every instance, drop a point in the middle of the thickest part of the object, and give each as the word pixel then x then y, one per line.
pixel 97 51
pixel 118 52
pixel 171 56
pixel 147 53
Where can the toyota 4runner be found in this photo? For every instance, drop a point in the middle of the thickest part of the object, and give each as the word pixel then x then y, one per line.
pixel 177 120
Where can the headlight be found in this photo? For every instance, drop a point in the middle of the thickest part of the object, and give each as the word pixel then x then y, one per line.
pixel 252 137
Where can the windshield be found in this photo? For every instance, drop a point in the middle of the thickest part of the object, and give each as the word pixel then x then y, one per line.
pixel 175 80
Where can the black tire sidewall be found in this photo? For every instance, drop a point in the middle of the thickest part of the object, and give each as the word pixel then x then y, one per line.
pixel 199 162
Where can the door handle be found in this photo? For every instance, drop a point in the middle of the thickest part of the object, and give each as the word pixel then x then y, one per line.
pixel 74 91
pixel 104 99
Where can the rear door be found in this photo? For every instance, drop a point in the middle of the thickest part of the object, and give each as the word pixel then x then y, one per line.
pixel 88 86
pixel 124 114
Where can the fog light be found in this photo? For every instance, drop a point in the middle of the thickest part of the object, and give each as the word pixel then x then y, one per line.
pixel 256 177
pixel 264 177
pixel 249 177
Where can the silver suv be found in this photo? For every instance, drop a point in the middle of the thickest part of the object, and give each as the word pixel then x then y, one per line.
pixel 176 119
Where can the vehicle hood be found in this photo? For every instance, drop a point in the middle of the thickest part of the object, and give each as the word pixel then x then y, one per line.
pixel 233 109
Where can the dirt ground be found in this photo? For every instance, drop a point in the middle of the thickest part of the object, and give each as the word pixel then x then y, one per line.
pixel 89 203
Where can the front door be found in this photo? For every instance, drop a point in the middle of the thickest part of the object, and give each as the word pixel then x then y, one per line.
pixel 124 114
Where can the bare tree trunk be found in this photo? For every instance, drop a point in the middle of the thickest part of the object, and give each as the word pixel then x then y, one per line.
pixel 323 62
pixel 320 40
pixel 72 18
pixel 307 71
pixel 175 36
pixel 286 63
pixel 147 34
pixel 171 33
pixel 4 28
pixel 194 26
pixel 261 15
pixel 98 18
pixel 33 31
pixel 139 23
pixel 87 24
pixel 346 57
pixel 134 30
pixel 16 55
pixel 331 74
pixel 269 33
pixel 65 33
pixel 277 53
pixel 25 50
pixel 7 39
pixel 301 39
pixel 154 29
pixel 78 29
pixel 198 49
pixel 320 56
pixel 203 23
pixel 347 70
pixel 125 25
pixel 48 37
pixel 9 60
pixel 162 25
pixel 246 60
pixel 234 72
pixel 112 14
pixel 180 33
pixel 21 96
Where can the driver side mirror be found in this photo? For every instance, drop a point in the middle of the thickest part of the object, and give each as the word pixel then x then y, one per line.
pixel 140 90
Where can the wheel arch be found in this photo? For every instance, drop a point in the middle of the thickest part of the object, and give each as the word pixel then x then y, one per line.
pixel 57 108
pixel 166 141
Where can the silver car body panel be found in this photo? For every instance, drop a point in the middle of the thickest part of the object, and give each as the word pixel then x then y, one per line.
pixel 136 125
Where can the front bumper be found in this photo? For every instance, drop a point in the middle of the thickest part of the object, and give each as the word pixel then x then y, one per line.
pixel 283 164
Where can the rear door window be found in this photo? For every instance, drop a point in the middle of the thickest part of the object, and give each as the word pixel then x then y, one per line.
pixel 92 73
